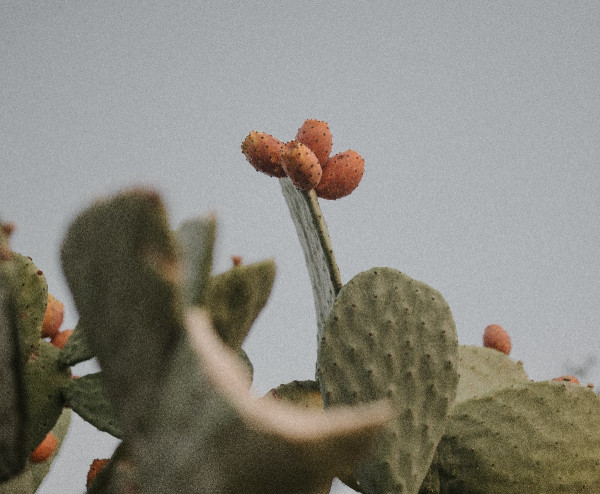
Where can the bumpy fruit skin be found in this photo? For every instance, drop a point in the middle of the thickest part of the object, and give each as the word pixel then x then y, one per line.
pixel 301 165
pixel 316 135
pixel 45 449
pixel 262 151
pixel 569 379
pixel 497 338
pixel 53 318
pixel 95 468
pixel 341 175
pixel 60 339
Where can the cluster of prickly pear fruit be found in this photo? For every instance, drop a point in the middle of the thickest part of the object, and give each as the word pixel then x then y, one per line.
pixel 306 161
pixel 396 406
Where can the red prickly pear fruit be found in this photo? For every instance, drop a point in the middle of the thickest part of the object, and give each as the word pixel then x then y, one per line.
pixel 45 449
pixel 237 260
pixel 263 152
pixel 497 338
pixel 60 339
pixel 341 175
pixel 53 318
pixel 95 468
pixel 316 135
pixel 569 379
pixel 301 165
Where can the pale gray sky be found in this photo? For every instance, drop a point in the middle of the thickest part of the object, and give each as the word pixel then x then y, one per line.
pixel 479 123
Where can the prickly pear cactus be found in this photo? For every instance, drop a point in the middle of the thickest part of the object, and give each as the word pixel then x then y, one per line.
pixel 391 337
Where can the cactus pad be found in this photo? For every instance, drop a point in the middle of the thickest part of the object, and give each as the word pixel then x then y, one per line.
pixel 389 336
pixel 236 297
pixel 541 437
pixel 316 245
pixel 484 370
pixel 196 240
pixel 32 296
pixel 13 411
pixel 87 397
pixel 76 349
pixel 46 382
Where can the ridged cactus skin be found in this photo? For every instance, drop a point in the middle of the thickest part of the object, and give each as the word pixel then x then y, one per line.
pixel 13 409
pixel 389 336
pixel 484 370
pixel 539 438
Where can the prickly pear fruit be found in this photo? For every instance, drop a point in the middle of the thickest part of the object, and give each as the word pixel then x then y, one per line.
pixel 497 338
pixel 301 165
pixel 53 317
pixel 569 379
pixel 94 470
pixel 317 136
pixel 341 175
pixel 44 449
pixel 60 339
pixel 262 151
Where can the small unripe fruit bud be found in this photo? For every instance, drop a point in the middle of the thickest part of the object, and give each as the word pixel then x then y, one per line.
pixel 45 449
pixel 341 175
pixel 495 337
pixel 60 339
pixel 263 152
pixel 53 318
pixel 95 468
pixel 317 136
pixel 300 165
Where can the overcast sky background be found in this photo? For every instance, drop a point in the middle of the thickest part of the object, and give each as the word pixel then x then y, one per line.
pixel 479 123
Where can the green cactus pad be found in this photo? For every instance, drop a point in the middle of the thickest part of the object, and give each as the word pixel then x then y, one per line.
pixel 13 411
pixel 316 245
pixel 118 476
pixel 76 349
pixel 306 394
pixel 119 261
pixel 21 484
pixel 32 297
pixel 196 239
pixel 46 382
pixel 87 397
pixel 484 370
pixel 236 297
pixel 389 336
pixel 247 362
pixel 40 470
pixel 539 438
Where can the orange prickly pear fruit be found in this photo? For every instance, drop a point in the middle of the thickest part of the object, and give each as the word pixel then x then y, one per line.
pixel 301 165
pixel 53 318
pixel 60 339
pixel 95 468
pixel 570 379
pixel 497 338
pixel 341 175
pixel 317 136
pixel 45 449
pixel 262 151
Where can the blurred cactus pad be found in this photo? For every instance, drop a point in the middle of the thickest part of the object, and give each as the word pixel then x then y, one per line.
pixel 396 404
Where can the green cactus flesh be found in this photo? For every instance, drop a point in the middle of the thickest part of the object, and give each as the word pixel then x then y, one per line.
pixel 119 261
pixel 196 240
pixel 32 297
pixel 46 382
pixel 87 397
pixel 76 349
pixel 389 336
pixel 539 438
pixel 236 297
pixel 316 245
pixel 13 411
pixel 302 393
pixel 484 370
